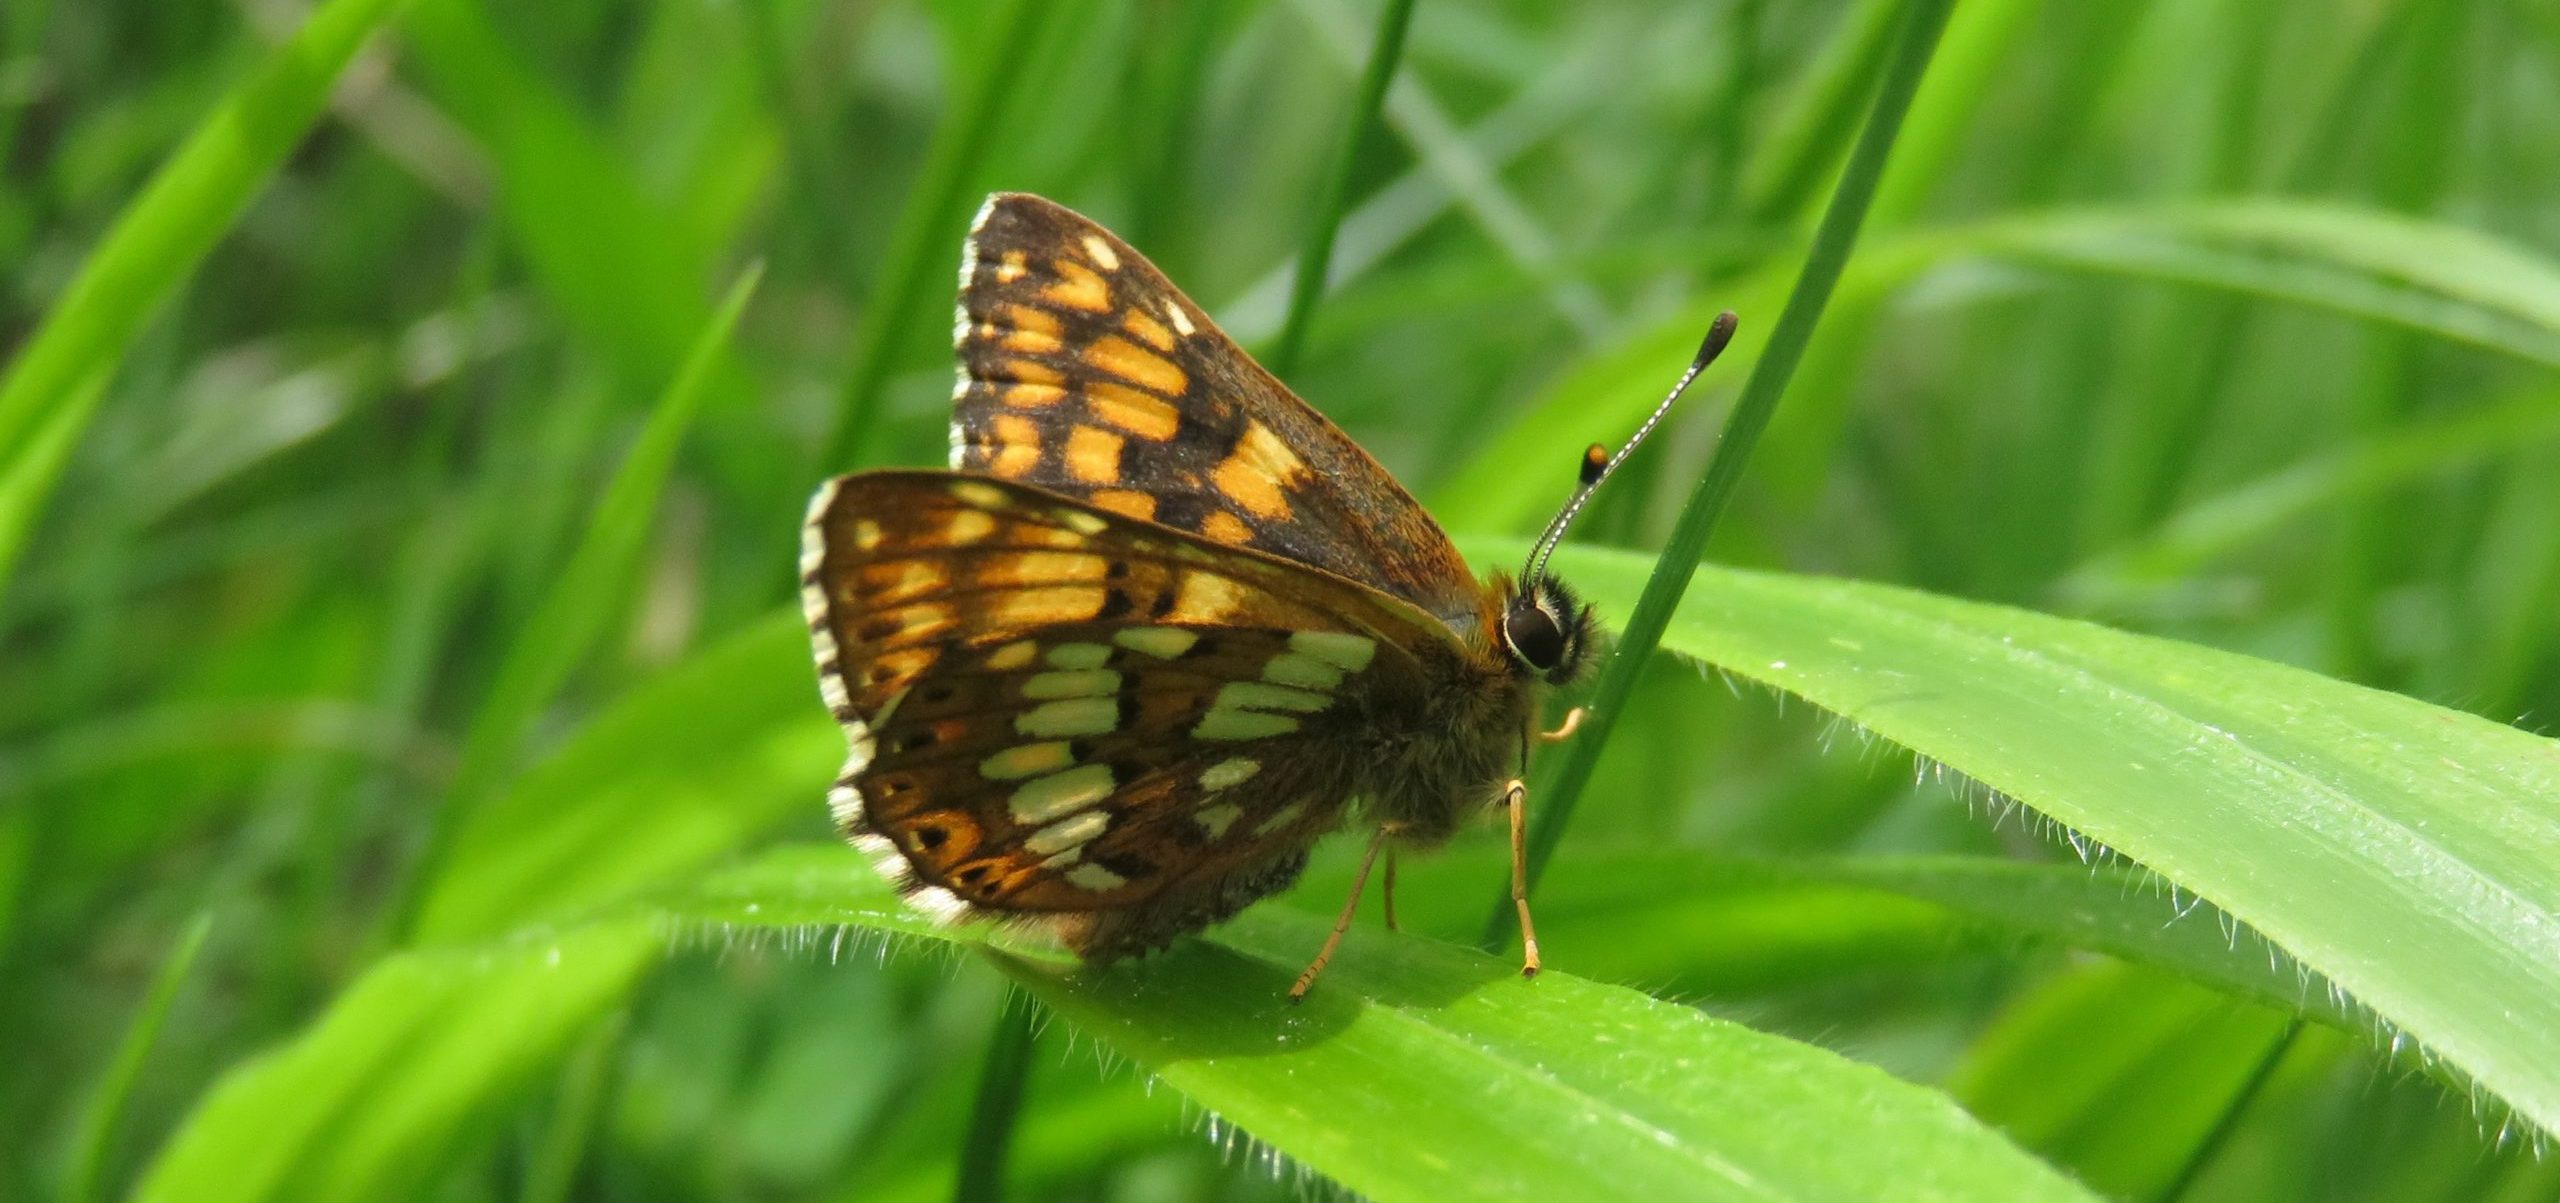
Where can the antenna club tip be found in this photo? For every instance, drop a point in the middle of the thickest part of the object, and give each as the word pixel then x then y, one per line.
pixel 1595 461
pixel 1718 334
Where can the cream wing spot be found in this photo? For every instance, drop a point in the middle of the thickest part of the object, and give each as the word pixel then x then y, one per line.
pixel 1181 321
pixel 1303 671
pixel 1163 643
pixel 1221 724
pixel 1043 799
pixel 1072 832
pixel 1099 248
pixel 1350 653
pixel 1261 695
pixel 1069 717
pixel 978 493
pixel 1095 878
pixel 1079 655
pixel 1231 772
pixel 1012 655
pixel 1027 760
pixel 1279 819
pixel 1216 819
pixel 1073 683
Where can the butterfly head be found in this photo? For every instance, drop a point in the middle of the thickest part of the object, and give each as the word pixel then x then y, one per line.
pixel 1545 627
pixel 1547 630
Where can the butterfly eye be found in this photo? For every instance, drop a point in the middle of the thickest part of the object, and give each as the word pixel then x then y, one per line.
pixel 1534 635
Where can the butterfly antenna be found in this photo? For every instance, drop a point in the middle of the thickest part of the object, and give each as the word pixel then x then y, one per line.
pixel 1597 464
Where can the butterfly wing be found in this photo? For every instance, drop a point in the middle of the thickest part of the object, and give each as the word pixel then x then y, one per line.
pixel 1055 709
pixel 1083 370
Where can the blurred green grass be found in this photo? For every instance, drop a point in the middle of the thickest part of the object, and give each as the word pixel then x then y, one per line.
pixel 2131 265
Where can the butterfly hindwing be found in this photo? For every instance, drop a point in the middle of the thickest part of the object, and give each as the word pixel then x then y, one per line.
pixel 1085 371
pixel 1055 709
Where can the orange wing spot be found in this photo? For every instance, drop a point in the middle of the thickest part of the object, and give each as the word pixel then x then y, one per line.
pixel 1029 330
pixel 1033 396
pixel 967 527
pixel 1045 536
pixel 1024 371
pixel 1043 569
pixel 1256 475
pixel 1012 268
pixel 1037 607
pixel 1017 447
pixel 1204 597
pixel 894 669
pixel 942 835
pixel 1148 330
pixel 1249 487
pixel 894 582
pixel 1129 361
pixel 1146 416
pixel 1226 528
pixel 1141 506
pixel 1078 287
pixel 1093 455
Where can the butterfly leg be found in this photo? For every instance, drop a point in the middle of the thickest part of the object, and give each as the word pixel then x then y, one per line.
pixel 1342 924
pixel 1564 730
pixel 1517 795
pixel 1387 888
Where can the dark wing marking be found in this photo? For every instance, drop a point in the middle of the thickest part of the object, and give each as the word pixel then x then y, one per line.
pixel 1083 370
pixel 1056 709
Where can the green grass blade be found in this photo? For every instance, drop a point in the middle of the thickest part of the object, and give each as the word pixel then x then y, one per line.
pixel 1472 1070
pixel 591 588
pixel 581 602
pixel 614 263
pixel 95 1141
pixel 1559 786
pixel 2120 1076
pixel 369 1102
pixel 991 1120
pixel 2412 274
pixel 2402 850
pixel 1315 257
pixel 2526 429
pixel 55 382
pixel 684 769
pixel 921 244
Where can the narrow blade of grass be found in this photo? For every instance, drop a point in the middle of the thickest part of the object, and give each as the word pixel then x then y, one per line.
pixel 2405 272
pixel 1559 786
pixel 684 769
pixel 1315 257
pixel 95 1140
pixel 55 382
pixel 926 225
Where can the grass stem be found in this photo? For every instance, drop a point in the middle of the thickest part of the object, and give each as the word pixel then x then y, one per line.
pixel 1552 803
pixel 1315 258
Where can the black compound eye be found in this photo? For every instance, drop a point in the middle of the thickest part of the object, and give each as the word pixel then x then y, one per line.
pixel 1534 635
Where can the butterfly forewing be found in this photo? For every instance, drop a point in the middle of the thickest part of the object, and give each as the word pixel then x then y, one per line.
pixel 1056 708
pixel 1084 371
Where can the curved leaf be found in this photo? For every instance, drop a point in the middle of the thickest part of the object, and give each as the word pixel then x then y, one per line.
pixel 2409 853
pixel 1426 1071
pixel 414 1056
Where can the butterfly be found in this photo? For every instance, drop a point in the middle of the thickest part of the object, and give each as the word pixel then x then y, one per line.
pixel 1162 626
